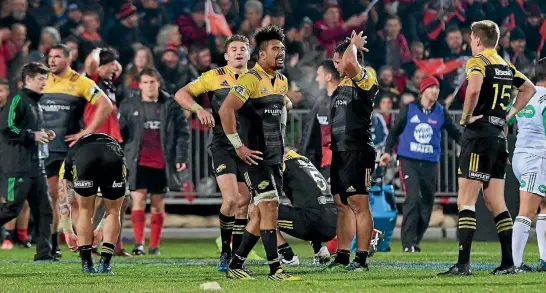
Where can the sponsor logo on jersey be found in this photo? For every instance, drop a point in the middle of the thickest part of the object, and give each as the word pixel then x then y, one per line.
pixel 220 168
pixel 322 120
pixel 263 185
pixel 479 176
pixel 274 110
pixel 264 91
pixel 502 72
pixel 117 184
pixel 522 184
pixel 527 112
pixel 50 106
pixel 351 189
pixel 283 90
pixel 153 125
pixel 542 188
pixel 239 89
pixel 83 184
pixel 224 83
pixel 340 103
pixel 415 119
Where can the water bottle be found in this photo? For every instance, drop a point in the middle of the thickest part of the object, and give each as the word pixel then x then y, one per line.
pixel 43 151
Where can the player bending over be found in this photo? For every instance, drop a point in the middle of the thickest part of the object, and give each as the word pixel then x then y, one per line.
pixel 313 213
pixel 529 165
pixel 484 153
pixel 96 160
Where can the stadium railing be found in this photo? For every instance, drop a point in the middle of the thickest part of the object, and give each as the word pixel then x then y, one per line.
pixel 203 190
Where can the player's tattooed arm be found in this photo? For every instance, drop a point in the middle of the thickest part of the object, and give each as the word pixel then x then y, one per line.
pixel 65 190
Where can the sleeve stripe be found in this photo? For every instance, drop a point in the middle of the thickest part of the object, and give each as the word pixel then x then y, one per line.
pixel 11 115
pixel 484 59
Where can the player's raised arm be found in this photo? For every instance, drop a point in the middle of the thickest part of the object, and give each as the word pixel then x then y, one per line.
pixel 526 91
pixel 350 56
pixel 185 97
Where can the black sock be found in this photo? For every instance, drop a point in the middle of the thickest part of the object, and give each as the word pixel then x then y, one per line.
pixel 226 228
pixel 467 227
pixel 317 245
pixel 107 252
pixel 9 235
pixel 269 238
pixel 361 257
pixel 343 256
pixel 54 242
pixel 504 229
pixel 248 242
pixel 286 251
pixel 85 254
pixel 238 231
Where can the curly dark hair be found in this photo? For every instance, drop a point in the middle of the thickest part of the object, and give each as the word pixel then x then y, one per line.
pixel 268 33
pixel 540 70
pixel 340 49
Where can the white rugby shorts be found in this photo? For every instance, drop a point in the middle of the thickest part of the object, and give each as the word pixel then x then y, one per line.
pixel 530 170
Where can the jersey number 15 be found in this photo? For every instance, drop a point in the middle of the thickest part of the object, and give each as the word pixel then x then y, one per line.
pixel 504 94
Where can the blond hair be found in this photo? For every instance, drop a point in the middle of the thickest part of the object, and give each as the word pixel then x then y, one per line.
pixel 488 32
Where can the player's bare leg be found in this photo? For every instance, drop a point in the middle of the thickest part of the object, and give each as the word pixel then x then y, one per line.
pixel 157 221
pixel 528 204
pixel 360 205
pixel 346 229
pixel 120 250
pixel 494 196
pixel 110 233
pixel 84 229
pixel 138 219
pixel 52 183
pixel 230 193
pixel 466 203
pixel 541 236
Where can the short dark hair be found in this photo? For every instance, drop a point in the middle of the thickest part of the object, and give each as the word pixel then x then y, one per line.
pixel 198 48
pixel 4 82
pixel 487 31
pixel 540 70
pixel 452 29
pixel 32 69
pixel 266 34
pixel 328 66
pixel 107 55
pixel 150 72
pixel 236 38
pixel 62 47
pixel 340 49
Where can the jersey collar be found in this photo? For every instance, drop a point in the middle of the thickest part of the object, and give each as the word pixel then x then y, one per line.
pixel 258 68
pixel 232 72
pixel 65 75
pixel 489 52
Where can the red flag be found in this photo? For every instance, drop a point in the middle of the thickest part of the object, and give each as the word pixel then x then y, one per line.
pixel 437 66
pixel 216 22
pixel 542 32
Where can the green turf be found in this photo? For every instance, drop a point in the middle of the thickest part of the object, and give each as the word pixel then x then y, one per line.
pixel 185 264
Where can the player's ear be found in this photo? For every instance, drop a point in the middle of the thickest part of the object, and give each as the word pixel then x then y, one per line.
pixel 226 56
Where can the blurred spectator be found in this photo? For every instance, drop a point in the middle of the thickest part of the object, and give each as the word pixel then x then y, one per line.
pixel 314 52
pixel 89 35
pixel 8 51
pixel 218 51
pixel 504 43
pixel 71 24
pixel 72 43
pixel 386 85
pixel 5 9
pixel 454 45
pixel 42 11
pixel 413 84
pixel 391 47
pixel 192 25
pixel 519 55
pixel 332 30
pixel 385 106
pixel 168 35
pixel 143 60
pixel 172 71
pixel 230 11
pixel 19 9
pixel 406 99
pixel 125 36
pixel 254 12
pixel 153 16
pixel 531 28
pixel 19 39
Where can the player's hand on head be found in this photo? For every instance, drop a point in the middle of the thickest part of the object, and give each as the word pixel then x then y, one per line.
pixel 73 138
pixel 251 157
pixel 205 118
pixel 180 167
pixel 359 40
pixel 41 137
pixel 97 238
pixel 71 241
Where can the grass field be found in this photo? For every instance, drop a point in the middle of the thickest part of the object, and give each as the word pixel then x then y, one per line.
pixel 185 264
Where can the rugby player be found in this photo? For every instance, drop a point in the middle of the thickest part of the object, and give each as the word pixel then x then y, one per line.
pixel 353 152
pixel 529 165
pixel 228 167
pixel 259 97
pixel 484 154
pixel 312 215
pixel 63 103
pixel 95 161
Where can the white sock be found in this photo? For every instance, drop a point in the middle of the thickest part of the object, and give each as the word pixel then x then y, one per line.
pixel 541 235
pixel 522 225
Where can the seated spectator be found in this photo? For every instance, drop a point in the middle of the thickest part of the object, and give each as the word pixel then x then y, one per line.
pixel 385 108
pixel 89 36
pixel 71 24
pixel 391 47
pixel 230 10
pixel 519 55
pixel 169 35
pixel 73 44
pixel 412 86
pixel 254 11
pixel 143 60
pixel 386 84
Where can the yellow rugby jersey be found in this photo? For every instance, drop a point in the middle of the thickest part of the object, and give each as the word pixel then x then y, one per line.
pixel 63 102
pixel 495 95
pixel 264 96
pixel 351 111
pixel 217 82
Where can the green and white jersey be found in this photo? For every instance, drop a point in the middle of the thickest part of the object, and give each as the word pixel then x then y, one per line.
pixel 531 137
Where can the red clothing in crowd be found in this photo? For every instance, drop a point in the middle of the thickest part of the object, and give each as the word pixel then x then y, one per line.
pixel 111 125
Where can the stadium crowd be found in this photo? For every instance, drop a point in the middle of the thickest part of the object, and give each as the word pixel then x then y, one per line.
pixel 181 39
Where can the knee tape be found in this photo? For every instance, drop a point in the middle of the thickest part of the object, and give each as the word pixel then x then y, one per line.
pixel 266 196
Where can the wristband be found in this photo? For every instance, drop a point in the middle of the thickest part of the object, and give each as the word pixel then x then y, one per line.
pixel 66 225
pixel 100 227
pixel 511 113
pixel 466 117
pixel 235 140
pixel 195 107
